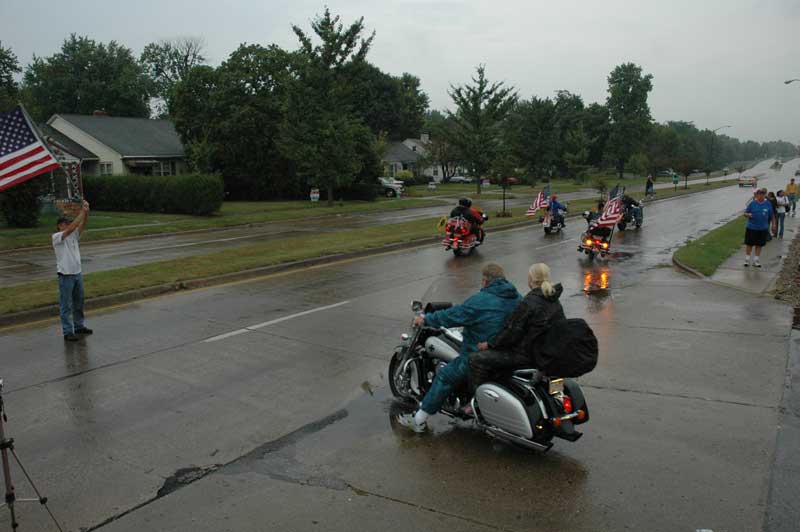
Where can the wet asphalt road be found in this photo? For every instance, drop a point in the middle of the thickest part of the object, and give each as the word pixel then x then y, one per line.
pixel 36 264
pixel 276 389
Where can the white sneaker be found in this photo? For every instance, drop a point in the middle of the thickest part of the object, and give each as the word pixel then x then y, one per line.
pixel 757 264
pixel 408 421
pixel 746 263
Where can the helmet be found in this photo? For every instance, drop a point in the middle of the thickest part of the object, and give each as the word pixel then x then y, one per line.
pixel 554 197
pixel 465 202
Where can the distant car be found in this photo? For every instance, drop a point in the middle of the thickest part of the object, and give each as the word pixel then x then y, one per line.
pixel 512 181
pixel 460 179
pixel 392 188
pixel 666 173
pixel 748 181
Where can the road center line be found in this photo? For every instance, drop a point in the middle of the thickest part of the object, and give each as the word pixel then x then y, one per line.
pixel 273 322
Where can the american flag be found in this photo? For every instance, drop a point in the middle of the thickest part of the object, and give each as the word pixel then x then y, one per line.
pixel 541 201
pixel 22 154
pixel 611 213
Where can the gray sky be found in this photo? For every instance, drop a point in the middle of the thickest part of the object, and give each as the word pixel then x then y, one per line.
pixel 714 62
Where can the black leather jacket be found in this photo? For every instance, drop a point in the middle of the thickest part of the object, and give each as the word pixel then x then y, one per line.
pixel 532 317
pixel 465 212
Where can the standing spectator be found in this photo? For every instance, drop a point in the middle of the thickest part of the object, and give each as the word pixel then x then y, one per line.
pixel 780 213
pixel 759 215
pixel 791 191
pixel 70 280
pixel 649 187
pixel 774 222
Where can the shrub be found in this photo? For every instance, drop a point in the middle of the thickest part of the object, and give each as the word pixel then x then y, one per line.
pixel 600 184
pixel 20 203
pixel 191 194
pixel 360 192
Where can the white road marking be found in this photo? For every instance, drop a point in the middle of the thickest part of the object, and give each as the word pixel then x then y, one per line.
pixel 273 322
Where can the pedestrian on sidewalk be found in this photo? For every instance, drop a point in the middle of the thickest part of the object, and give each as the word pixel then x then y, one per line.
pixel 774 222
pixel 780 213
pixel 649 187
pixel 791 191
pixel 759 216
pixel 70 280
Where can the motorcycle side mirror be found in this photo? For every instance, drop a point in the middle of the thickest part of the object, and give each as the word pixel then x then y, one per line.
pixel 485 216
pixel 416 306
pixel 586 214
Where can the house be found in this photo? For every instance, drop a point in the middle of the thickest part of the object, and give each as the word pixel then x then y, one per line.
pixel 111 145
pixel 411 154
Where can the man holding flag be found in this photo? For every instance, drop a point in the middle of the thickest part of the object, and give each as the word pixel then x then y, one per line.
pixel 23 156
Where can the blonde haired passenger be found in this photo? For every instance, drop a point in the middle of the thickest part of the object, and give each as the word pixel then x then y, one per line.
pixel 515 346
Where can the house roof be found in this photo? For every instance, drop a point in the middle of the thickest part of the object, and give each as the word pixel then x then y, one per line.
pixel 130 137
pixel 72 147
pixel 397 152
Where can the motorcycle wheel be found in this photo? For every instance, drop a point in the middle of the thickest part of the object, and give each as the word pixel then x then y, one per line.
pixel 591 255
pixel 547 230
pixel 622 226
pixel 395 375
pixel 457 252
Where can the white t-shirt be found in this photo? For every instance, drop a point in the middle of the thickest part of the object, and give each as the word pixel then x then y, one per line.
pixel 783 201
pixel 68 254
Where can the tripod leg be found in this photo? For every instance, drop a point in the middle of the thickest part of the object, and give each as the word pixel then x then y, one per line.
pixel 42 500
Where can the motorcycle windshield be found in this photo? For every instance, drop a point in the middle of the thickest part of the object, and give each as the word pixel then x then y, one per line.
pixel 449 289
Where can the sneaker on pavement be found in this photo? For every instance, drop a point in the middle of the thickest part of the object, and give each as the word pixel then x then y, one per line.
pixel 408 421
pixel 757 264
pixel 71 337
pixel 83 330
pixel 747 264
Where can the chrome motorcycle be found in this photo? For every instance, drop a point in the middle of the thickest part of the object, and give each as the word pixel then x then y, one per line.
pixel 525 408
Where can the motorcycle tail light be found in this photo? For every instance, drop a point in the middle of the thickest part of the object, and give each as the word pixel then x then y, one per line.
pixel 581 415
pixel 588 241
pixel 567 402
pixel 556 422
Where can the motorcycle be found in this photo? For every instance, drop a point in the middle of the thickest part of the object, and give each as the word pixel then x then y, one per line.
pixel 633 214
pixel 460 237
pixel 553 224
pixel 597 242
pixel 526 408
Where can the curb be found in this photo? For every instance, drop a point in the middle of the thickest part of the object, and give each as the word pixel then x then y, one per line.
pixel 688 269
pixel 97 303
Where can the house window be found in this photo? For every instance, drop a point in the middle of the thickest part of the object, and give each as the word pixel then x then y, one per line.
pixel 106 168
pixel 435 172
pixel 164 168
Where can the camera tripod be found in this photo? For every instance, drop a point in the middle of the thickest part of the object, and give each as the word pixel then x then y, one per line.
pixel 6 445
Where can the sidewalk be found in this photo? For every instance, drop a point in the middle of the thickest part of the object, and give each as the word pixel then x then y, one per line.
pixel 758 281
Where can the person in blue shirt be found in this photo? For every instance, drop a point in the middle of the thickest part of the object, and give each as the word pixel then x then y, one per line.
pixel 759 214
pixel 482 316
pixel 556 209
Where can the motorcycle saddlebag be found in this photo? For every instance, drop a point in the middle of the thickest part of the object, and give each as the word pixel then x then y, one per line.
pixel 568 349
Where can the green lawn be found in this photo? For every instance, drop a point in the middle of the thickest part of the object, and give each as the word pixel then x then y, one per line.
pixel 104 225
pixel 712 249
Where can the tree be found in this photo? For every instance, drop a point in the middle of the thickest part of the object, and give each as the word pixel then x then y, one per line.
pixel 441 151
pixel 8 86
pixel 321 134
pixel 481 109
pixel 531 135
pixel 86 76
pixel 628 110
pixel 168 62
pixel 596 125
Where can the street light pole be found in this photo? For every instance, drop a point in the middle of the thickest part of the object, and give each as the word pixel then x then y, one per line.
pixel 711 154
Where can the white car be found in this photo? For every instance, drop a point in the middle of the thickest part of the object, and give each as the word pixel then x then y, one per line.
pixel 748 181
pixel 392 188
pixel 460 179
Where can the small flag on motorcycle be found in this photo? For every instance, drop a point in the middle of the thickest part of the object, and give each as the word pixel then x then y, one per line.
pixel 442 222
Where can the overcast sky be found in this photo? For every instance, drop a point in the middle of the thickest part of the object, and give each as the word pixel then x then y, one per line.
pixel 714 62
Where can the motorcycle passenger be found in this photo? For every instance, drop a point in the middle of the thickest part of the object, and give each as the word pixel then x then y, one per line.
pixel 482 316
pixel 602 232
pixel 556 209
pixel 631 204
pixel 464 210
pixel 516 345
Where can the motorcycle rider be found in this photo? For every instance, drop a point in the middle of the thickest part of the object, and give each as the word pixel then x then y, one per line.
pixel 602 232
pixel 630 204
pixel 482 316
pixel 516 345
pixel 473 216
pixel 555 210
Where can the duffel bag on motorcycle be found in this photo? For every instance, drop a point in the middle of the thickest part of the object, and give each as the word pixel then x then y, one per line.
pixel 568 349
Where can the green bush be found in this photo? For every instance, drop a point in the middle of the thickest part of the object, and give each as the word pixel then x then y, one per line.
pixel 20 204
pixel 192 194
pixel 360 192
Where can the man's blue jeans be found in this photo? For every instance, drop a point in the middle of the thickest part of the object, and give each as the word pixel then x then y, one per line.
pixel 781 219
pixel 70 300
pixel 446 379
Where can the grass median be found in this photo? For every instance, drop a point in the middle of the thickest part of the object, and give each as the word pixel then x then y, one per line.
pixel 104 225
pixel 708 252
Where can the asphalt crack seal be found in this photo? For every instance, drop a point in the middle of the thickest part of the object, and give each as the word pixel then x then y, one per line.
pixel 185 476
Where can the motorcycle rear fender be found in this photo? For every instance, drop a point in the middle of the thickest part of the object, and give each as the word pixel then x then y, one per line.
pixel 572 389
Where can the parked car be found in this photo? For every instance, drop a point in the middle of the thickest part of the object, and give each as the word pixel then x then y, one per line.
pixel 460 179
pixel 511 181
pixel 392 188
pixel 666 173
pixel 748 181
